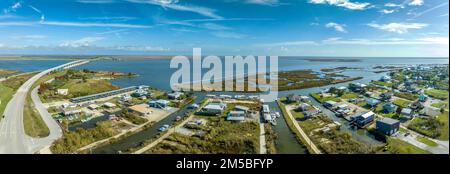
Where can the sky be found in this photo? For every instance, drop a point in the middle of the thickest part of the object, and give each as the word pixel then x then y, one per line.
pixel 334 28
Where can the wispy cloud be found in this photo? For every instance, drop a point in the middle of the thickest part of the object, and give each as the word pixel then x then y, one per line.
pixel 228 35
pixel 30 37
pixel 386 11
pixel 83 42
pixel 96 1
pixel 394 5
pixel 213 26
pixel 8 24
pixel 115 18
pixel 174 5
pixel 344 3
pixel 264 2
pixel 416 15
pixel 416 2
pixel 337 27
pixel 80 24
pixel 398 27
pixel 12 8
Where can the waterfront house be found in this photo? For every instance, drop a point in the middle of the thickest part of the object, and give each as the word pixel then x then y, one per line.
pixel 330 104
pixel 141 110
pixel 388 126
pixel 225 96
pixel 303 107
pixel 386 78
pixel 356 87
pixel 292 98
pixel 159 104
pixel 139 93
pixel 362 119
pixel 311 112
pixel 417 105
pixel 193 106
pixel 175 95
pixel 125 98
pixel 389 108
pixel 304 98
pixel 214 108
pixel 236 116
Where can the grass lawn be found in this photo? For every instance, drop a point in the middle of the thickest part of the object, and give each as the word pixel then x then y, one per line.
pixel 32 120
pixel 426 141
pixel 440 105
pixel 322 99
pixel 397 146
pixel 434 128
pixel 349 95
pixel 443 118
pixel 436 93
pixel 4 72
pixel 402 103
pixel 5 95
pixel 387 84
pixel 297 115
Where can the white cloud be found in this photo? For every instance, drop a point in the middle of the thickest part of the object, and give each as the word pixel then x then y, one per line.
pixel 398 27
pixel 12 8
pixel 416 3
pixel 80 24
pixel 173 4
pixel 83 42
pixel 30 37
pixel 337 27
pixel 213 26
pixel 263 2
pixel 96 1
pixel 343 3
pixel 393 5
pixel 385 11
pixel 228 35
pixel 8 24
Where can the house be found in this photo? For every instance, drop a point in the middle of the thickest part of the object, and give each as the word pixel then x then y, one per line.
pixel 125 97
pixel 356 87
pixel 241 108
pixel 389 108
pixel 141 110
pixel 193 106
pixel 214 108
pixel 159 104
pixel 386 96
pixel 93 106
pixel 303 107
pixel 342 88
pixel 407 112
pixel 431 111
pixel 417 105
pixel 139 93
pixel 369 94
pixel 62 91
pixel 293 98
pixel 372 102
pixel 304 98
pixel 342 106
pixel 423 97
pixel 385 78
pixel 311 112
pixel 109 105
pixel 362 119
pixel 225 96
pixel 388 126
pixel 175 95
pixel 236 116
pixel 330 104
pixel 71 112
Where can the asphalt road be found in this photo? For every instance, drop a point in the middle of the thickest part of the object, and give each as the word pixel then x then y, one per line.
pixel 13 139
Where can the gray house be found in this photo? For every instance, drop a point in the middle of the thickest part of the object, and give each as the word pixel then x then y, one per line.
pixel 388 126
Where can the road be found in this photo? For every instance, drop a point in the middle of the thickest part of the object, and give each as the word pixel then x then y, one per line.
pixel 13 139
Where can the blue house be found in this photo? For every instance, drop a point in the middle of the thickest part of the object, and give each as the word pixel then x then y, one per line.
pixel 389 108
pixel 159 104
pixel 423 98
pixel 372 102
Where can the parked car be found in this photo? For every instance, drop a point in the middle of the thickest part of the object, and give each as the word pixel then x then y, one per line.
pixel 164 128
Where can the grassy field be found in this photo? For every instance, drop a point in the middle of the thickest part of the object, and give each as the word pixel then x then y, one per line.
pixel 33 123
pixel 426 141
pixel 8 88
pixel 440 105
pixel 5 72
pixel 402 103
pixel 432 127
pixel 387 84
pixel 407 96
pixel 349 95
pixel 439 94
pixel 319 97
pixel 397 146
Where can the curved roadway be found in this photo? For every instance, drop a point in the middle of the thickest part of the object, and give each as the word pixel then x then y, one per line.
pixel 13 139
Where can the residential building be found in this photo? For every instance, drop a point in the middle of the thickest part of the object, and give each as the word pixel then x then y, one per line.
pixel 423 97
pixel 386 96
pixel 159 104
pixel 389 108
pixel 388 126
pixel 214 108
pixel 408 112
pixel 236 116
pixel 362 119
pixel 311 112
pixel 417 105
pixel 330 104
pixel 303 107
pixel 293 98
pixel 175 95
pixel 109 105
pixel 431 111
pixel 386 78
pixel 241 108
pixel 372 102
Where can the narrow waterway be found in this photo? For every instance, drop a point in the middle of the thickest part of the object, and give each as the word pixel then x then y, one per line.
pixel 138 138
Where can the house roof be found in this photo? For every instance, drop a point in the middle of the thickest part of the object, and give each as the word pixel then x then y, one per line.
pixel 389 121
pixel 213 106
pixel 367 114
pixel 241 107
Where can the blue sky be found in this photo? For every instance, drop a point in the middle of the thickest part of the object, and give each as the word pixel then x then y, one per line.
pixel 357 28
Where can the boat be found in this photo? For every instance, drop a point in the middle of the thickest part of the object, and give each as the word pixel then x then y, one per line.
pixel 273 122
pixel 164 128
pixel 178 118
pixel 277 114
